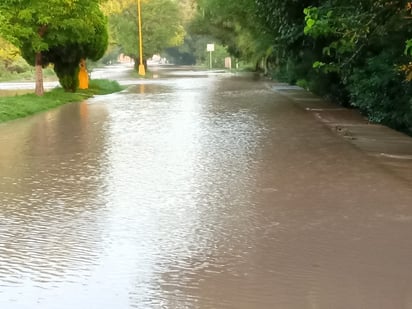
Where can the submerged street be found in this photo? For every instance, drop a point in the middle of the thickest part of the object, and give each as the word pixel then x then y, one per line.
pixel 204 190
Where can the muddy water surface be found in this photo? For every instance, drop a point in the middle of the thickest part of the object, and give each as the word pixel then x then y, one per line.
pixel 197 191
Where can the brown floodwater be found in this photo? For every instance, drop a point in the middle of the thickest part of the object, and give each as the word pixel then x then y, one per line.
pixel 197 190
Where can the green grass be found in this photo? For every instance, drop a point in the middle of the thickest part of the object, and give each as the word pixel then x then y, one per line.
pixel 104 86
pixel 20 106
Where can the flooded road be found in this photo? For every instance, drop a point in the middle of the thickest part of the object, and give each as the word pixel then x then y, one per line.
pixel 198 190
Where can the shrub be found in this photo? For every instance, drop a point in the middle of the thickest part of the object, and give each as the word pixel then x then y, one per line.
pixel 380 91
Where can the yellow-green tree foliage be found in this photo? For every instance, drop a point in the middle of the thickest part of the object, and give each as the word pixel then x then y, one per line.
pixel 8 53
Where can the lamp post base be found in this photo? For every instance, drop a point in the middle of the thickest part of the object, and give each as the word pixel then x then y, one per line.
pixel 142 70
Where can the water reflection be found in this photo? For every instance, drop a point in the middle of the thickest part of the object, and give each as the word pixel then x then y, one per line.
pixel 50 190
pixel 196 193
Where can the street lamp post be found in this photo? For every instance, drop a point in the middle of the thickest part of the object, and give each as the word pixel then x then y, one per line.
pixel 141 65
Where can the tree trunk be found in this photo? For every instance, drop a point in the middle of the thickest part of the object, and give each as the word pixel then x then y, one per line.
pixel 39 75
pixel 266 65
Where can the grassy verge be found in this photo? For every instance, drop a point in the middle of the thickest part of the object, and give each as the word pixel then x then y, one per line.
pixel 28 104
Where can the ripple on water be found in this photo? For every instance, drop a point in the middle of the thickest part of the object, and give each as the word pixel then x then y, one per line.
pixel 168 196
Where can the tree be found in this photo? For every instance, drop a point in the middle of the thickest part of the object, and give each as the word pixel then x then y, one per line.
pixel 161 27
pixel 55 31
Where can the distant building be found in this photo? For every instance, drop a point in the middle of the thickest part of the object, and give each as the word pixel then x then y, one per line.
pixel 124 59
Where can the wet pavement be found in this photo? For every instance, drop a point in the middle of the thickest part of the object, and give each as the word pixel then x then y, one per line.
pixel 204 190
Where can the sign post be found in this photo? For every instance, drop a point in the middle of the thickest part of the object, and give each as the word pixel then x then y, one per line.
pixel 210 48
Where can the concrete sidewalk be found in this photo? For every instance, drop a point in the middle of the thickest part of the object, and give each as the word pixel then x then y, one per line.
pixel 388 147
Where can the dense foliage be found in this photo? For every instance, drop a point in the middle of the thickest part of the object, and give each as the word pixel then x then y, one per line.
pixel 364 45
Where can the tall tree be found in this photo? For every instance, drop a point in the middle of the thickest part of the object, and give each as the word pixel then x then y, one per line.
pixel 55 31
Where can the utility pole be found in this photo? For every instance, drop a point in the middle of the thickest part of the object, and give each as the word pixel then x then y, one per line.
pixel 142 70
